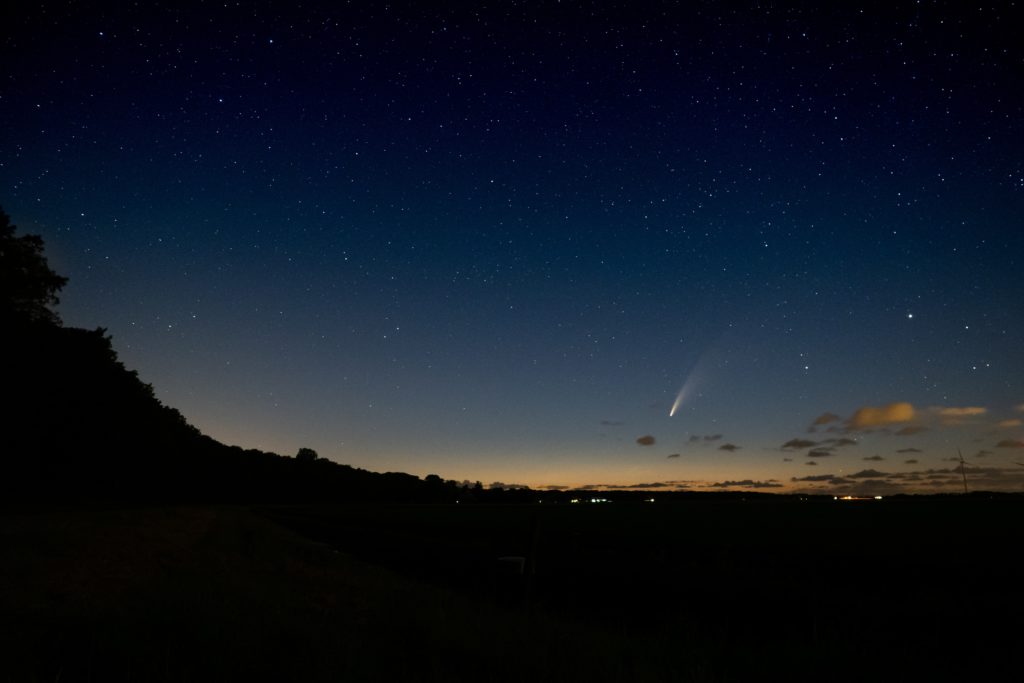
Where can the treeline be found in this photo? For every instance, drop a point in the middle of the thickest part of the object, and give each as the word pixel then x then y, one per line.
pixel 79 426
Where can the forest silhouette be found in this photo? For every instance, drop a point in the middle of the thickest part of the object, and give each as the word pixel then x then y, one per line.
pixel 80 426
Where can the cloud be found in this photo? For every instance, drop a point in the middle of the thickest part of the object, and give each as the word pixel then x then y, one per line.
pixel 874 458
pixel 969 411
pixel 799 443
pixel 912 461
pixel 982 454
pixel 673 455
pixel 1019 408
pixel 814 477
pixel 869 416
pixel 1010 423
pixel 910 450
pixel 729 447
pixel 820 453
pixel 612 423
pixel 553 487
pixel 748 483
pixel 646 440
pixel 652 485
pixel 502 485
pixel 839 443
pixel 811 463
pixel 825 418
pixel 1010 443
pixel 694 438
pixel 867 474
pixel 787 460
pixel 911 430
pixel 712 437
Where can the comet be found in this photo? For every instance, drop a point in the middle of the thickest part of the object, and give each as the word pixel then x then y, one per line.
pixel 693 379
pixel 679 400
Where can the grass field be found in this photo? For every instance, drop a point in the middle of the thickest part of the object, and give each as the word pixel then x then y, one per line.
pixel 696 591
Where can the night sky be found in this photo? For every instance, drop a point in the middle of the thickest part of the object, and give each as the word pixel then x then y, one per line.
pixel 503 244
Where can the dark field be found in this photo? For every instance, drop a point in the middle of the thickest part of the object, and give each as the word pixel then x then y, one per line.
pixel 702 590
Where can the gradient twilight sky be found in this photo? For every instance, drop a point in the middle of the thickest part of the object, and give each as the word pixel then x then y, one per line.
pixel 493 244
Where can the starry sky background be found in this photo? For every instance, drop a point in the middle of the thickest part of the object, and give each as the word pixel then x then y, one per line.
pixel 494 244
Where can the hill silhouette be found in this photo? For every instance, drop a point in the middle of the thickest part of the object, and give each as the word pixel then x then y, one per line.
pixel 80 426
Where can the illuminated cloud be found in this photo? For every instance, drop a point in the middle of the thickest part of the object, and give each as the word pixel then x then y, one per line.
pixel 1010 423
pixel 1010 443
pixel 874 458
pixel 969 411
pixel 729 447
pixel 646 440
pixel 869 416
pixel 798 443
pixel 674 455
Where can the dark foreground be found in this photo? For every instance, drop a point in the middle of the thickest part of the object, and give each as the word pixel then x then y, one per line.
pixel 695 591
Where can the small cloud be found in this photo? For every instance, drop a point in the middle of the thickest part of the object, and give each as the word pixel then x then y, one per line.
pixel 747 483
pixel 909 450
pixel 674 455
pixel 1019 408
pixel 694 438
pixel 969 411
pixel 646 440
pixel 553 487
pixel 820 453
pixel 729 447
pixel 912 461
pixel 874 458
pixel 798 443
pixel 1010 423
pixel 870 416
pixel 504 486
pixel 911 430
pixel 811 463
pixel 612 423
pixel 787 460
pixel 867 474
pixel 651 485
pixel 982 454
pixel 1010 443
pixel 814 477
pixel 712 437
pixel 839 443
pixel 825 418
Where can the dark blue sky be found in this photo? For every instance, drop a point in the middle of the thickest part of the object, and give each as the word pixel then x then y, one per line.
pixel 495 243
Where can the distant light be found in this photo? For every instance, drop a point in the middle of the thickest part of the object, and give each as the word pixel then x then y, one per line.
pixel 878 498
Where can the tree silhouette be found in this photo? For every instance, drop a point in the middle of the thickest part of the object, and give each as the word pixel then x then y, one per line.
pixel 306 455
pixel 28 287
